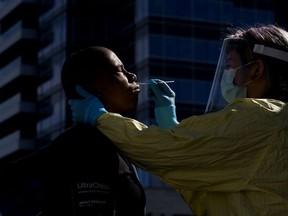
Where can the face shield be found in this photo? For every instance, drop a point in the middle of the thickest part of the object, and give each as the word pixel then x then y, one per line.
pixel 234 58
pixel 231 72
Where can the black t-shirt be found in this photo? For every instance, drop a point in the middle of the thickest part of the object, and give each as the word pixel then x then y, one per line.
pixel 80 173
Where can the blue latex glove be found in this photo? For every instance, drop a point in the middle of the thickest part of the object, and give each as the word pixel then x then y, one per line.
pixel 88 109
pixel 164 99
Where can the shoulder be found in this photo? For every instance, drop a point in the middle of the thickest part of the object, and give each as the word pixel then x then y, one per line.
pixel 82 140
pixel 81 133
pixel 251 110
pixel 268 105
pixel 241 112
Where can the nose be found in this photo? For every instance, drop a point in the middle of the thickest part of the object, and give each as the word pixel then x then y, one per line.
pixel 131 77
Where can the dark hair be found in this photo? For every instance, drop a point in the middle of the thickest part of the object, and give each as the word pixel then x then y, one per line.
pixel 277 70
pixel 81 67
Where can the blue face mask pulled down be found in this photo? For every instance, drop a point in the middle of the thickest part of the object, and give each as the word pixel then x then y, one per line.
pixel 230 91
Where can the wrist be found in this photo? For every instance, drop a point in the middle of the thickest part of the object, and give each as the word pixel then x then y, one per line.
pixel 94 116
pixel 166 116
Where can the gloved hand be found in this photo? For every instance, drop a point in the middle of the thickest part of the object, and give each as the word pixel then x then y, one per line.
pixel 164 99
pixel 88 109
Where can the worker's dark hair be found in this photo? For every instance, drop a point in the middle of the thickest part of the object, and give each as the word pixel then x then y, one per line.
pixel 277 70
pixel 81 67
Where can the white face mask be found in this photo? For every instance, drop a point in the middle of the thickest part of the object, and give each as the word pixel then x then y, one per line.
pixel 230 91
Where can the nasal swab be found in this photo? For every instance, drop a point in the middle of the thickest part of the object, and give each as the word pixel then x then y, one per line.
pixel 143 83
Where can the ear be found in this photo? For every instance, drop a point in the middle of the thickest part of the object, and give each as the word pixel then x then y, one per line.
pixel 259 71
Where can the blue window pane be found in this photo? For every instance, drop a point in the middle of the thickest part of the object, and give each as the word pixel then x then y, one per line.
pixel 188 49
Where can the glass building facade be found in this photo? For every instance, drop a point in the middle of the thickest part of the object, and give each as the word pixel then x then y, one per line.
pixel 165 39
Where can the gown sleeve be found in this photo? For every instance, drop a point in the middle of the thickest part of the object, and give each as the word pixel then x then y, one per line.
pixel 216 151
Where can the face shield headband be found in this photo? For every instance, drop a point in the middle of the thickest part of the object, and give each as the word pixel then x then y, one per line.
pixel 216 101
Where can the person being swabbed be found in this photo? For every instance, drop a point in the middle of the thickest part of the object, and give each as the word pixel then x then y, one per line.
pixel 72 176
pixel 232 160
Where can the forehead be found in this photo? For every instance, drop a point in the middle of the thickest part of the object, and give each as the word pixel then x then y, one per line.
pixel 235 48
pixel 112 66
pixel 115 61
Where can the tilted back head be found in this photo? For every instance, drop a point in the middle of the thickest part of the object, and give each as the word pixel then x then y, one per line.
pixel 82 67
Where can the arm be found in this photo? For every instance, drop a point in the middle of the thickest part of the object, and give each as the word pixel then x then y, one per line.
pixel 203 152
pixel 199 152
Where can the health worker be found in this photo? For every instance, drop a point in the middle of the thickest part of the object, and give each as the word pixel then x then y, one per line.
pixel 232 160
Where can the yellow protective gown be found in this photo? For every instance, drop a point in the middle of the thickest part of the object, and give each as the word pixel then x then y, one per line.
pixel 228 163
